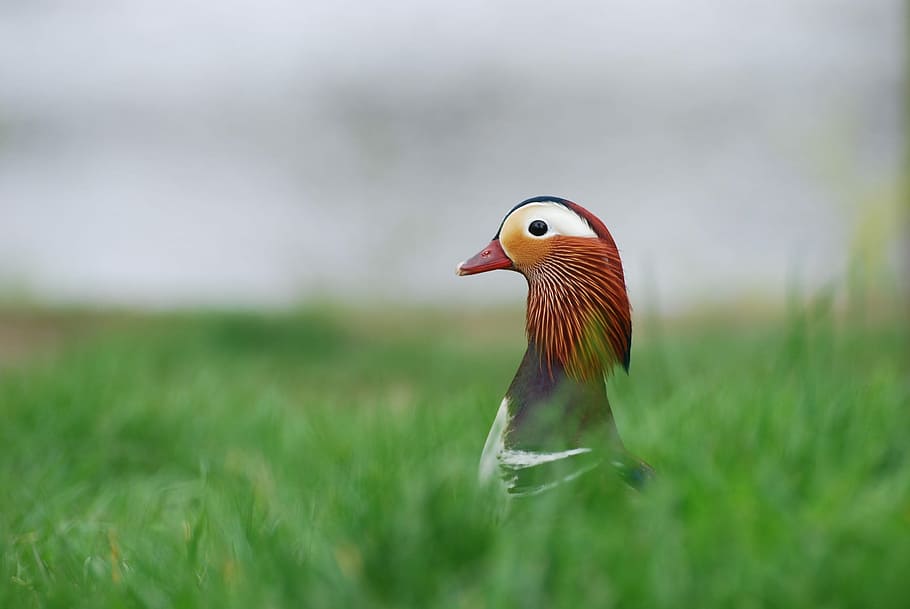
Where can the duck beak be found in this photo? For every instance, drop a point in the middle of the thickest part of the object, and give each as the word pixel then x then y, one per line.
pixel 490 258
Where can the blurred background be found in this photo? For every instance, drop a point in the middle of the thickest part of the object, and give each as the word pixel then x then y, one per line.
pixel 171 154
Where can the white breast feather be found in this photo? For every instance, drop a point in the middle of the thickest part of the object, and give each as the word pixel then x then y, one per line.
pixel 495 454
pixel 520 459
pixel 495 444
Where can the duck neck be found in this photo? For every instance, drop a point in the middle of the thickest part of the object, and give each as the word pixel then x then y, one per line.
pixel 550 409
pixel 578 313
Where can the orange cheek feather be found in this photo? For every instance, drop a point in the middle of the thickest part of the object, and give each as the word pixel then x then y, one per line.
pixel 525 252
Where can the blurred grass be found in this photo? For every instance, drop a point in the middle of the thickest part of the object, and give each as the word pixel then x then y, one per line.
pixel 327 459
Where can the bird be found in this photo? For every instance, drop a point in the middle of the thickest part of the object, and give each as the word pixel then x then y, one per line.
pixel 555 422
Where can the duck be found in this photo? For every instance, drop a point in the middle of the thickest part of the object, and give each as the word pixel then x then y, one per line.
pixel 555 423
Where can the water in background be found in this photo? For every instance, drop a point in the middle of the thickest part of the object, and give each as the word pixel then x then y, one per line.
pixel 169 153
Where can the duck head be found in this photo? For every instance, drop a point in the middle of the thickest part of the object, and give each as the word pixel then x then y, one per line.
pixel 578 314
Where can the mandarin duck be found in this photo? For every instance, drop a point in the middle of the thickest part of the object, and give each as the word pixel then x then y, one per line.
pixel 555 422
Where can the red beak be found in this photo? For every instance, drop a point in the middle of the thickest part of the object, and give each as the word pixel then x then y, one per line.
pixel 490 258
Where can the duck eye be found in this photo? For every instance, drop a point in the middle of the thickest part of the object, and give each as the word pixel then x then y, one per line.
pixel 538 228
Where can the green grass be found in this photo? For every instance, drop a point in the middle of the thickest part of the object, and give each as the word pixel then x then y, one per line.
pixel 328 460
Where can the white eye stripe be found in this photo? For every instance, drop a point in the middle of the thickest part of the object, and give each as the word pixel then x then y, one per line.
pixel 560 220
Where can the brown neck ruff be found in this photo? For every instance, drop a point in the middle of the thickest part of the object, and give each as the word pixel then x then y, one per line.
pixel 578 309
